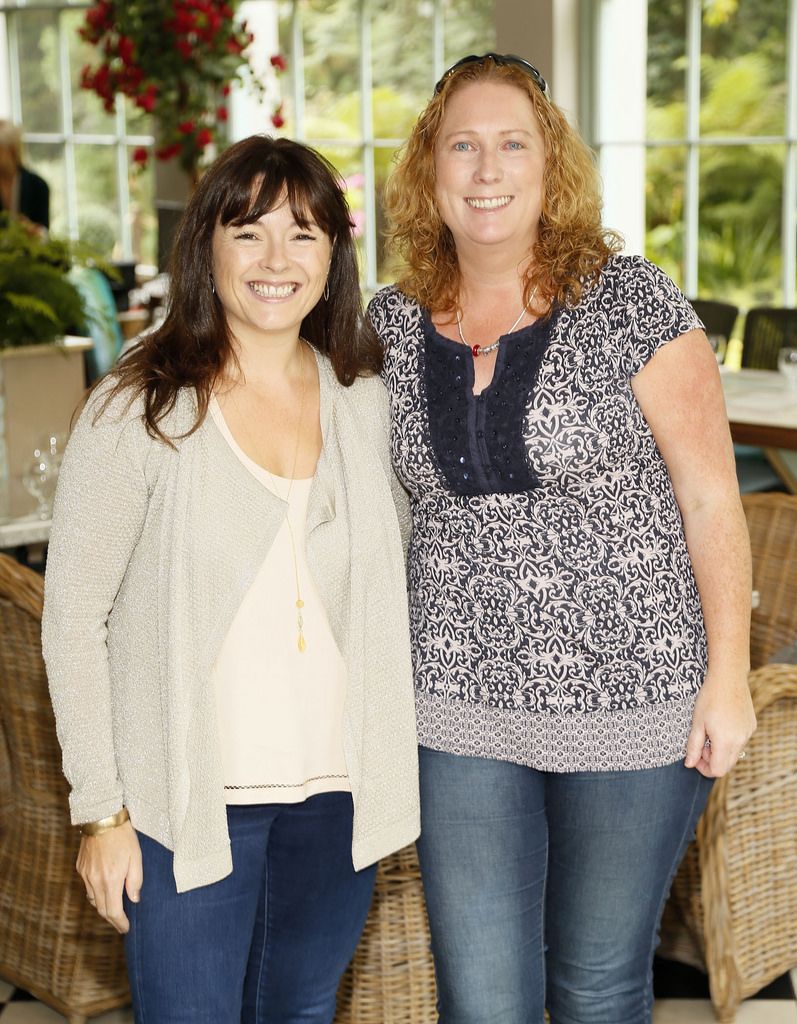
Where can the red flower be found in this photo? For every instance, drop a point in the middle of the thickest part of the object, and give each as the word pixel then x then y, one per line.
pixel 126 49
pixel 101 81
pixel 132 78
pixel 167 152
pixel 221 114
pixel 140 155
pixel 278 62
pixel 277 119
pixel 147 99
pixel 225 91
pixel 233 46
pixel 98 16
pixel 184 21
pixel 186 127
pixel 204 138
pixel 185 48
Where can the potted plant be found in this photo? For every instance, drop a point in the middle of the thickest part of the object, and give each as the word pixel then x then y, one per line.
pixel 42 375
pixel 38 302
pixel 176 60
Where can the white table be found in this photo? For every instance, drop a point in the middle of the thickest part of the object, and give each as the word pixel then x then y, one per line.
pixel 762 409
pixel 19 523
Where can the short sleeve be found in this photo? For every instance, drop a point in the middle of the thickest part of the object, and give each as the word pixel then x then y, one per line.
pixel 391 313
pixel 376 312
pixel 657 311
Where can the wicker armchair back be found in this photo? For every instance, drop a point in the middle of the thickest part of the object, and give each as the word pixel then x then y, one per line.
pixel 52 943
pixel 733 906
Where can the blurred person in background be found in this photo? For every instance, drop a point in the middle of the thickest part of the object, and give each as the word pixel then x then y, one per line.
pixel 22 192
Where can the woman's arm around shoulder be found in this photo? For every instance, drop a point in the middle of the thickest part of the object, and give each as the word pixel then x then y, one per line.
pixel 680 394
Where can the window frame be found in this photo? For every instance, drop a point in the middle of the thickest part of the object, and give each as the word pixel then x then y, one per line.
pixel 692 142
pixel 119 139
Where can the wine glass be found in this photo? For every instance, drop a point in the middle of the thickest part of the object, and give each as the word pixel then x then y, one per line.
pixel 717 342
pixel 787 364
pixel 39 480
pixel 52 445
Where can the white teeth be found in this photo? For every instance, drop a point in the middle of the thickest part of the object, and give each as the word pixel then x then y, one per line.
pixel 272 291
pixel 489 204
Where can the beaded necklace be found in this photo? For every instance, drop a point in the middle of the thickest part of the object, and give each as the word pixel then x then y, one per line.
pixel 484 350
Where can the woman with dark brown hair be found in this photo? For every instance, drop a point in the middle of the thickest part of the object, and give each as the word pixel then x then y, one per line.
pixel 225 625
pixel 578 565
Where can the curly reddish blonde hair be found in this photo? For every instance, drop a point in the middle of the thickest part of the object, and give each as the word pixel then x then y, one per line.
pixel 572 246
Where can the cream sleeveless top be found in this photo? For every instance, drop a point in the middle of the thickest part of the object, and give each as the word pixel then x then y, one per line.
pixel 279 709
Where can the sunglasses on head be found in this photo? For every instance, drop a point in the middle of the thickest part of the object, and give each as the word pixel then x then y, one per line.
pixel 501 59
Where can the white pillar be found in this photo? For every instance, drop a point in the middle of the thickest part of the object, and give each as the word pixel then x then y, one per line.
pixel 545 32
pixel 248 116
pixel 620 128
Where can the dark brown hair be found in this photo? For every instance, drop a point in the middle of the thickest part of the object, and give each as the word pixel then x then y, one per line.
pixel 193 346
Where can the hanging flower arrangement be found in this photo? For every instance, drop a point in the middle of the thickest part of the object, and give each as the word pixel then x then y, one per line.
pixel 176 60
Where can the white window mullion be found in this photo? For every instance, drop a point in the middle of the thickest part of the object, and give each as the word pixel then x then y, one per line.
pixel 692 170
pixel 13 57
pixel 70 172
pixel 789 216
pixel 123 182
pixel 297 71
pixel 438 43
pixel 367 134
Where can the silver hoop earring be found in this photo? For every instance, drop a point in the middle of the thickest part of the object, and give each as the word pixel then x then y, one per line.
pixel 326 291
pixel 212 285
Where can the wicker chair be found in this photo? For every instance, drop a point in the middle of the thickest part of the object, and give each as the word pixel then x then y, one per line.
pixel 391 978
pixel 733 906
pixel 52 943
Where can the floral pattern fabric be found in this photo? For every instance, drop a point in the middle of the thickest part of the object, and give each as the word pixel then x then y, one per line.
pixel 554 613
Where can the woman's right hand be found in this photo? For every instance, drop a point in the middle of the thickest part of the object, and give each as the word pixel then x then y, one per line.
pixel 108 863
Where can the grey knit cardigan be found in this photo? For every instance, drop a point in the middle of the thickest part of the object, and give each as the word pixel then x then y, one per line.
pixel 151 552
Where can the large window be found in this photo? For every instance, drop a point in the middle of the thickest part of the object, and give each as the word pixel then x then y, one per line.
pixel 81 151
pixel 722 145
pixel 714 149
pixel 359 71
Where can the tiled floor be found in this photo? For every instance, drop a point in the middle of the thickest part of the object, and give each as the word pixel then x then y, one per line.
pixel 666 1011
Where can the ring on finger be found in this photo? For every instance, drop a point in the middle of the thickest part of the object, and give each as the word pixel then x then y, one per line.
pixel 742 755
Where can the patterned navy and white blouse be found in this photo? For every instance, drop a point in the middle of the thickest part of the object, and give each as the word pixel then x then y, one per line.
pixel 555 617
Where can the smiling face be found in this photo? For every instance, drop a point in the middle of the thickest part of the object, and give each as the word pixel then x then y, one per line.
pixel 269 274
pixel 489 167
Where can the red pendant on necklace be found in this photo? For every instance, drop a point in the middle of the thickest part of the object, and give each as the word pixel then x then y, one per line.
pixel 476 350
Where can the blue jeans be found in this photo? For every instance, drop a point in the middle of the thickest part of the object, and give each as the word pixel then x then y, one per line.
pixel 265 945
pixel 546 889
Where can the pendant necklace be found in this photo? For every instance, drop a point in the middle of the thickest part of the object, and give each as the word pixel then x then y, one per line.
pixel 484 350
pixel 301 643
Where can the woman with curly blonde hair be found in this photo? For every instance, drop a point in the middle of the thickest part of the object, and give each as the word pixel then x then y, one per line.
pixel 578 567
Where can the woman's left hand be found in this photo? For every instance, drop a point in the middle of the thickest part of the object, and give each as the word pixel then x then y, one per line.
pixel 722 723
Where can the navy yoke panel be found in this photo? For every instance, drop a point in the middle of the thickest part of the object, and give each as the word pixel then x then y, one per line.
pixel 478 439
